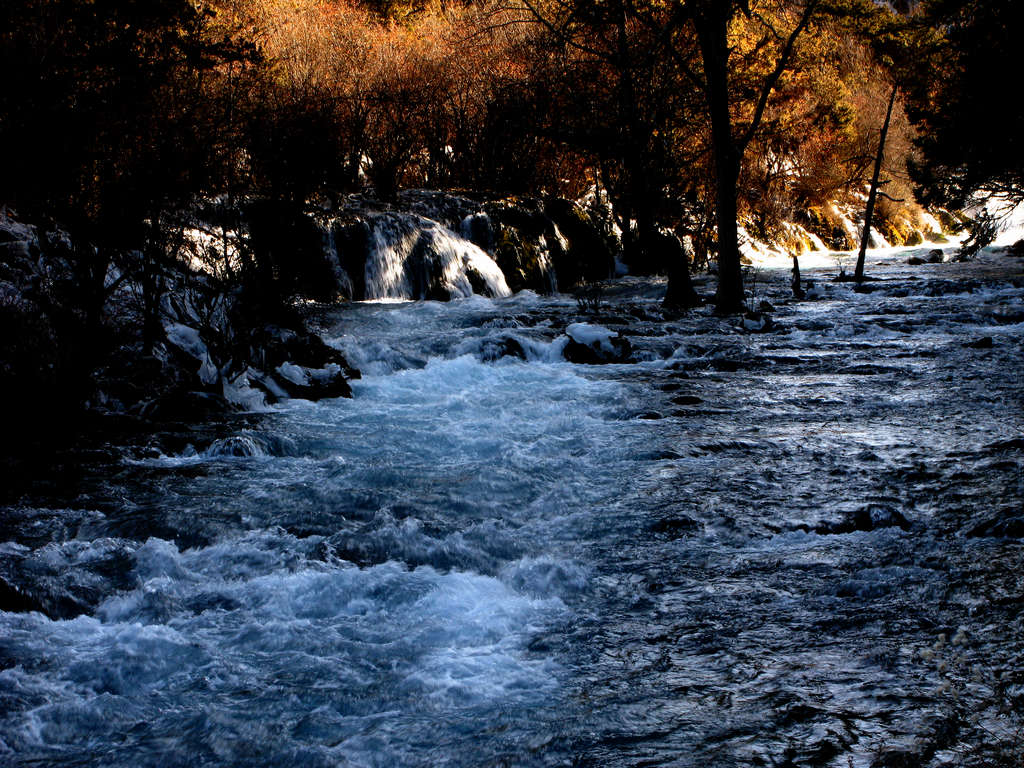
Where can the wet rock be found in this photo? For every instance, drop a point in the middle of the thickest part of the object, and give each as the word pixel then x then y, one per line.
pixel 297 364
pixel 1016 250
pixel 916 261
pixel 895 757
pixel 935 256
pixel 687 400
pixel 303 348
pixel 49 602
pixel 1008 317
pixel 15 599
pixel 595 345
pixel 675 527
pixel 649 415
pixel 757 322
pixel 725 365
pixel 866 369
pixel 985 342
pixel 504 346
pixel 527 244
pixel 185 406
pixel 352 243
pixel 588 256
pixel 313 383
pixel 1002 526
pixel 869 518
pixel 65 580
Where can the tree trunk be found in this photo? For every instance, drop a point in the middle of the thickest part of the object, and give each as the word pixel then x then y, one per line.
pixel 869 212
pixel 680 293
pixel 798 291
pixel 712 27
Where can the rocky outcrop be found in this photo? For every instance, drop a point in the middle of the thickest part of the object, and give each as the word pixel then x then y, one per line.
pixel 281 363
pixel 590 255
pixel 217 354
pixel 870 518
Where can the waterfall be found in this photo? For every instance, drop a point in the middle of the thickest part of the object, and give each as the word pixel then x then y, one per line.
pixel 413 257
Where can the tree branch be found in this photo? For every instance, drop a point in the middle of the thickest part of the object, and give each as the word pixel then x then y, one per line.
pixel 775 76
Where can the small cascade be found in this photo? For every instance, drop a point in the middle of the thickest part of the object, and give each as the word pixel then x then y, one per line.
pixel 247 445
pixel 412 257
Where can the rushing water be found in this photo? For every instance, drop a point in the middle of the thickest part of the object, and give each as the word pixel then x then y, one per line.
pixel 801 547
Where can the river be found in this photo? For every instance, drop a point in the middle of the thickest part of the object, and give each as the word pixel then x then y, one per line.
pixel 801 547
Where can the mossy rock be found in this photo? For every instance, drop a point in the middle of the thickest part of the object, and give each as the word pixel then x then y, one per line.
pixel 522 261
pixel 953 222
pixel 827 227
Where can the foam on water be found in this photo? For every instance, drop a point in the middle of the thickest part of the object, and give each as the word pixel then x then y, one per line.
pixel 247 618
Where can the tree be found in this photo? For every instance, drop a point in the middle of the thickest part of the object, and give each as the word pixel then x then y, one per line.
pixel 971 127
pixel 893 44
pixel 615 96
pixel 107 127
pixel 869 210
pixel 730 136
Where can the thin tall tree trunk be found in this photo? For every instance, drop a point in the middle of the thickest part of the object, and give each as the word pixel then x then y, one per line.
pixel 712 30
pixel 869 212
pixel 798 291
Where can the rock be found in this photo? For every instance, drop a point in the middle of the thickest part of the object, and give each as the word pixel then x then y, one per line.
pixel 275 346
pixel 725 365
pixel 186 407
pixel 935 256
pixel 526 243
pixel 1008 317
pixel 312 383
pixel 869 518
pixel 188 340
pixel 352 239
pixel 1005 525
pixel 588 257
pixel 594 345
pixel 916 261
pixel 687 400
pixel 503 346
pixel 897 757
pixel 1016 250
pixel 985 342
pixel 675 527
pixel 814 291
pixel 757 322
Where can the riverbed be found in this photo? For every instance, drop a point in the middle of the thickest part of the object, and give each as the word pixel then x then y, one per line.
pixel 793 547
